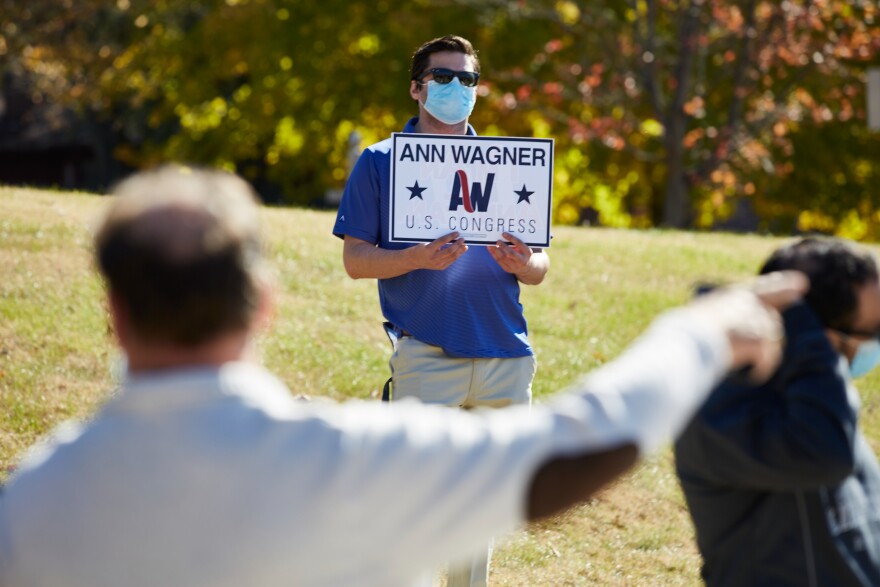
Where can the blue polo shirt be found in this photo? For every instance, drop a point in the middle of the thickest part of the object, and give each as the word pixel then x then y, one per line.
pixel 470 309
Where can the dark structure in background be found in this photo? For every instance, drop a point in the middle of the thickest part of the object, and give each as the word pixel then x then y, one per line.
pixel 48 145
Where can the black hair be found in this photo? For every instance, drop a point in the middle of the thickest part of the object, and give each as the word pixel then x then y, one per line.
pixel 836 269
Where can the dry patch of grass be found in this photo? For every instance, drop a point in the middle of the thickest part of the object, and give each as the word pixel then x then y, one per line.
pixel 634 533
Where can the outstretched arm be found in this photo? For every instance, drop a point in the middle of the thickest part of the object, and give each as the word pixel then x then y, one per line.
pixel 408 469
pixel 643 399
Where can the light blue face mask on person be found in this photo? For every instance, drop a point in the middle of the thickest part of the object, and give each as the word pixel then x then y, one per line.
pixel 450 103
pixel 866 358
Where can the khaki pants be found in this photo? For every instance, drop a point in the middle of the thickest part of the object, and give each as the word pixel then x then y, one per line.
pixel 425 372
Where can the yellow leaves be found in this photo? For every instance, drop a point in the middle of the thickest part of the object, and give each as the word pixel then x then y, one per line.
pixel 540 126
pixel 366 45
pixel 136 81
pixel 285 63
pixel 609 203
pixel 289 141
pixel 207 116
pixel 242 93
pixel 575 157
pixel 567 214
pixel 863 169
pixel 124 59
pixel 853 225
pixel 809 220
pixel 652 128
pixel 568 12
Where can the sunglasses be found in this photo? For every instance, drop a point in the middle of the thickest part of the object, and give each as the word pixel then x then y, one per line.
pixel 444 76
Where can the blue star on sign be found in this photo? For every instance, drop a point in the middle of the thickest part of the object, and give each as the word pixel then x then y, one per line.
pixel 524 195
pixel 416 192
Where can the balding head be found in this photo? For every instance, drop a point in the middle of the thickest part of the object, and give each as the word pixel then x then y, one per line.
pixel 180 251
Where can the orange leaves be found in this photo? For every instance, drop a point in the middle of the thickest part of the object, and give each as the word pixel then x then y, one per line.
pixel 692 137
pixel 594 78
pixel 553 46
pixel 553 89
pixel 695 107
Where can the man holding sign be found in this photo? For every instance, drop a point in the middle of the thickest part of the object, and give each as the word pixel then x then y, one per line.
pixel 454 310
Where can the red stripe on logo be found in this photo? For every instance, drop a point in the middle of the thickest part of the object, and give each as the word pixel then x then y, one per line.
pixel 465 191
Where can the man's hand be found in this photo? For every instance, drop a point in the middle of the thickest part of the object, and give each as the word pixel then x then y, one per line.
pixel 438 254
pixel 750 317
pixel 513 257
pixel 517 258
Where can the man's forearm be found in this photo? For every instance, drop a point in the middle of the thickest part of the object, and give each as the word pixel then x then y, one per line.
pixel 565 481
pixel 364 260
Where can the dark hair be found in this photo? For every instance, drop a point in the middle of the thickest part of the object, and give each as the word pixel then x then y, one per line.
pixel 179 249
pixel 836 268
pixel 452 43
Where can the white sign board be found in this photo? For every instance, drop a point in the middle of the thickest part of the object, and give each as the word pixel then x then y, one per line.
pixel 479 187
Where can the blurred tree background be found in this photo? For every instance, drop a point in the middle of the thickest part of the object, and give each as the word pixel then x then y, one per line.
pixel 687 113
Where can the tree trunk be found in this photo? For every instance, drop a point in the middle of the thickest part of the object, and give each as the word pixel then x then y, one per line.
pixel 676 205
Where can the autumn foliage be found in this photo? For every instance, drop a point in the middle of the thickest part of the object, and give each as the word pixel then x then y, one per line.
pixel 690 113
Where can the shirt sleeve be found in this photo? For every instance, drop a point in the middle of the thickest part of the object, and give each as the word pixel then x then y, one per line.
pixel 359 209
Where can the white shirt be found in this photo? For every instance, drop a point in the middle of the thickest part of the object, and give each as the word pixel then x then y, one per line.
pixel 217 477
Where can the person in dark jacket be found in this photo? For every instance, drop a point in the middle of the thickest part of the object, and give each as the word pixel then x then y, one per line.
pixel 782 487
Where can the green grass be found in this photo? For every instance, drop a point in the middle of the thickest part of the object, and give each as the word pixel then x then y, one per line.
pixel 604 287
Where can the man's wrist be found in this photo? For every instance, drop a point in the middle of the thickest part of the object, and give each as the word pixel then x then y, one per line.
pixel 521 275
pixel 527 271
pixel 410 258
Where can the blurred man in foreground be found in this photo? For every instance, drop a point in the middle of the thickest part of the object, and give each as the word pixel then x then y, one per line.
pixel 781 484
pixel 203 470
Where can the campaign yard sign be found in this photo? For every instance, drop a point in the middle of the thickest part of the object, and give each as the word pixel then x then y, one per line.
pixel 479 187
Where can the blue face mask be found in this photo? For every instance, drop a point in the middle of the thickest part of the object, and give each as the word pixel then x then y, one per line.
pixel 450 103
pixel 866 358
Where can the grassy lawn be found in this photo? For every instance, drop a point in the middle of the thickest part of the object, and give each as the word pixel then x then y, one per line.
pixel 604 287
